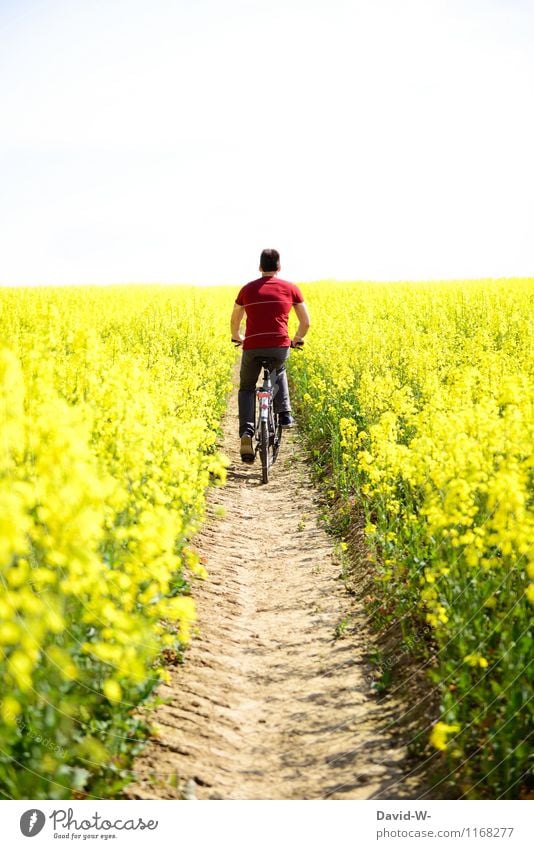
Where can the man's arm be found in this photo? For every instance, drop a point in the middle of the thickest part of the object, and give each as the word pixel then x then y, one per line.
pixel 235 322
pixel 304 322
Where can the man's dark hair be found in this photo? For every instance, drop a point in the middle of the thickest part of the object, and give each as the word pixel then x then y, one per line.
pixel 269 260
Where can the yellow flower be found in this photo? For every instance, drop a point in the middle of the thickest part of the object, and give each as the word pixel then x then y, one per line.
pixel 20 666
pixel 476 660
pixel 10 709
pixel 439 734
pixel 9 633
pixel 112 690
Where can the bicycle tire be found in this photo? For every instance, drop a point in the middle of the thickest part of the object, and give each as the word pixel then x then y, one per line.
pixel 264 451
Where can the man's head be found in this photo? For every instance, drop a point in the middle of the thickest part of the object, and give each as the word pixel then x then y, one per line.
pixel 269 260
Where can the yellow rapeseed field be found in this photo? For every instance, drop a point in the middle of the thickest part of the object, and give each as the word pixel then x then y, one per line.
pixel 109 405
pixel 418 402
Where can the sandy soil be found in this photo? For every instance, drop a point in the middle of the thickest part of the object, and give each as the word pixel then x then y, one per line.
pixel 274 700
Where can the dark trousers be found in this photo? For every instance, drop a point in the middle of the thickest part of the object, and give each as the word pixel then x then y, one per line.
pixel 250 370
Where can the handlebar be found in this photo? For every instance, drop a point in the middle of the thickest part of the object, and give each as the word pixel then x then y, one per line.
pixel 237 343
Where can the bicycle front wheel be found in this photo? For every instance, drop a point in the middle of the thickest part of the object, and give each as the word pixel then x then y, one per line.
pixel 264 451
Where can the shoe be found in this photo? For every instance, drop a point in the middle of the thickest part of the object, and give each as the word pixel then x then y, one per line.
pixel 286 420
pixel 246 449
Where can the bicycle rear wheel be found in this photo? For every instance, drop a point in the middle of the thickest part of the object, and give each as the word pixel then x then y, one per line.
pixel 264 451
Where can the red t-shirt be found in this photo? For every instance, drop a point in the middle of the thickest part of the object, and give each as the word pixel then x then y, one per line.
pixel 267 303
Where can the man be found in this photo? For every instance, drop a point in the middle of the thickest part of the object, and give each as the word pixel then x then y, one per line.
pixel 267 303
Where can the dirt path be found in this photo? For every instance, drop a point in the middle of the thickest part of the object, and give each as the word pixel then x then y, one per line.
pixel 270 703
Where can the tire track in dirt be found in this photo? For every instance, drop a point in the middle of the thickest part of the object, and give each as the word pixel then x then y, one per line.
pixel 269 703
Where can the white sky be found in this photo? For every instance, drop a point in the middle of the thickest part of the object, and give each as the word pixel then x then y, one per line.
pixel 171 140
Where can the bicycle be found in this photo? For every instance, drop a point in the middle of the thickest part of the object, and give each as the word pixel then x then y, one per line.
pixel 268 430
